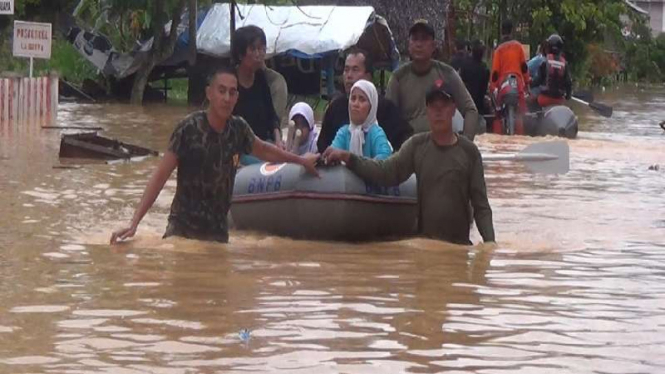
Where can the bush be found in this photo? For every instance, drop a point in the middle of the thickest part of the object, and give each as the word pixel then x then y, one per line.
pixel 645 56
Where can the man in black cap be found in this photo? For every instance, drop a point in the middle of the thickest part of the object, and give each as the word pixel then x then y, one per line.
pixel 449 169
pixel 408 84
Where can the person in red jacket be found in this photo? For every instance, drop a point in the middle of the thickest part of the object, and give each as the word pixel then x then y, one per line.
pixel 509 58
pixel 554 75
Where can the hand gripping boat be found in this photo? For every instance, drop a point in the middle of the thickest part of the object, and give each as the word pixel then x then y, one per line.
pixel 283 200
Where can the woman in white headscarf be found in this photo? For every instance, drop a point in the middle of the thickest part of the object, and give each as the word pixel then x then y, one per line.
pixel 363 136
pixel 306 134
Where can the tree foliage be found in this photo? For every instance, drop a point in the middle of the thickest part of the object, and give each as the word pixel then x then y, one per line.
pixel 646 55
pixel 579 22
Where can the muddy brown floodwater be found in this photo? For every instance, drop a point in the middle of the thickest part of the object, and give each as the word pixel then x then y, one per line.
pixel 576 285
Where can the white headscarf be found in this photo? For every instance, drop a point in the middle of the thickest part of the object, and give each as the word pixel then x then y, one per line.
pixel 306 111
pixel 358 130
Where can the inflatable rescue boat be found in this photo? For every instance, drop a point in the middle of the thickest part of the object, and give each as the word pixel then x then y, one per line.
pixel 283 200
pixel 558 120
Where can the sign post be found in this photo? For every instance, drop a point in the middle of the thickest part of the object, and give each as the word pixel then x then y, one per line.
pixel 6 6
pixel 32 40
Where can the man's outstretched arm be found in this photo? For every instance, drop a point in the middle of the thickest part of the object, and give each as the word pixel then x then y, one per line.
pixel 166 166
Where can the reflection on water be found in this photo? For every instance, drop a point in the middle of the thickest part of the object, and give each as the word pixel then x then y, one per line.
pixel 576 285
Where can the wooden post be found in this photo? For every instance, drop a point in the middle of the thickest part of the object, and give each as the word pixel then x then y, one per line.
pixel 233 26
pixel 193 28
pixel 451 28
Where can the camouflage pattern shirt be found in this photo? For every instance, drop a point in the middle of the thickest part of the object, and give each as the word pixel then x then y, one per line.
pixel 206 174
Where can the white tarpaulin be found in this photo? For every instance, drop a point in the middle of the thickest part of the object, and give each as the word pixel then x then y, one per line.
pixel 307 29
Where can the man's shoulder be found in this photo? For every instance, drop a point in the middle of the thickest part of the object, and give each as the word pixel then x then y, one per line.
pixel 339 103
pixel 338 99
pixel 385 103
pixel 402 71
pixel 192 120
pixel 417 140
pixel 443 69
pixel 442 65
pixel 507 45
pixel 237 122
pixel 468 146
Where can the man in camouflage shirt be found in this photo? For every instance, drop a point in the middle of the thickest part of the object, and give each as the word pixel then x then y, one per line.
pixel 203 148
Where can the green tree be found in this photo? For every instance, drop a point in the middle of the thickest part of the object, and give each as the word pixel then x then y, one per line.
pixel 162 46
pixel 579 22
pixel 126 21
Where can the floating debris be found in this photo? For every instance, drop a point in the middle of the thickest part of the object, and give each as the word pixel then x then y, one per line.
pixel 244 335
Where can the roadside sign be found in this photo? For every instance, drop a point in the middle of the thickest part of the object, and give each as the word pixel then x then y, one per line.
pixel 32 39
pixel 6 6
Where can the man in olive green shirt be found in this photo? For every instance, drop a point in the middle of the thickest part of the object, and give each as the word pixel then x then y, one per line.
pixel 408 84
pixel 449 170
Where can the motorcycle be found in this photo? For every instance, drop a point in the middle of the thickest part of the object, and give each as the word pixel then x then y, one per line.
pixel 506 103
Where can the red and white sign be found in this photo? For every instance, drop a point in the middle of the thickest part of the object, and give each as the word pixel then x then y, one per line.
pixel 6 6
pixel 32 39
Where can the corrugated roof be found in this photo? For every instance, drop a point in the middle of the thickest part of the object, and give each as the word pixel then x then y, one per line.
pixel 400 14
pixel 636 8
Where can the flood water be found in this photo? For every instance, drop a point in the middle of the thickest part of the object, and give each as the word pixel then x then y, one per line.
pixel 576 285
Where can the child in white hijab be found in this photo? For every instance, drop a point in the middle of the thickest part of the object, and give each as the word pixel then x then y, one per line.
pixel 303 116
pixel 363 136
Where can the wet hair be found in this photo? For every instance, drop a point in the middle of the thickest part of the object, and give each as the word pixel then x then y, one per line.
pixel 369 61
pixel 461 44
pixel 506 27
pixel 477 50
pixel 243 38
pixel 220 70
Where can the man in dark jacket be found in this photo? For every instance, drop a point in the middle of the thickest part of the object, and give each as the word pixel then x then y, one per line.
pixel 461 56
pixel 359 65
pixel 476 76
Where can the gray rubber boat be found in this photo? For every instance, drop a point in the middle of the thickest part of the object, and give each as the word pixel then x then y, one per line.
pixel 558 120
pixel 283 200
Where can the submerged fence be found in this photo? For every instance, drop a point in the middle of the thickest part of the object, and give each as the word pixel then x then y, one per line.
pixel 29 101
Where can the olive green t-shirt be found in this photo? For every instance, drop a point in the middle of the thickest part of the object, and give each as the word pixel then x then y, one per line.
pixel 206 174
pixel 407 89
pixel 448 177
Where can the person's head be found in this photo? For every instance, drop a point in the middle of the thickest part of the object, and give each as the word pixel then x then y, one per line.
pixel 363 102
pixel 554 44
pixel 249 47
pixel 421 41
pixel 477 50
pixel 542 48
pixel 222 92
pixel 461 46
pixel 358 65
pixel 303 116
pixel 507 28
pixel 440 108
